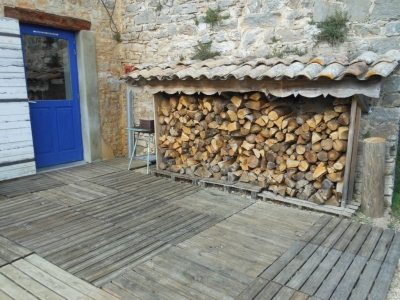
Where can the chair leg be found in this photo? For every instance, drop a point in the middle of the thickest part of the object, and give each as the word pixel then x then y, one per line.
pixel 133 151
pixel 148 153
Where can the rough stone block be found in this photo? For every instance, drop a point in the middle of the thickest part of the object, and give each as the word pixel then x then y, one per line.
pixel 163 19
pixel 226 25
pixel 185 9
pixel 288 35
pixel 385 9
pixel 272 5
pixel 134 28
pixel 249 38
pixel 254 6
pixel 145 17
pixel 323 9
pixel 393 28
pixel 391 84
pixel 390 100
pixel 358 9
pixel 387 201
pixel 261 20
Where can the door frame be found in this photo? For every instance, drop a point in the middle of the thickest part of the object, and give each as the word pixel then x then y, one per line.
pixel 59 157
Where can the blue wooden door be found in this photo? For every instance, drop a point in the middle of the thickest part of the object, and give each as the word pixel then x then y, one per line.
pixel 53 92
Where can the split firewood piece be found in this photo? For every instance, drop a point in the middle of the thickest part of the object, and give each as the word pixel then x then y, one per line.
pixel 311 156
pixel 243 112
pixel 245 129
pixel 344 118
pixel 320 171
pixel 311 124
pixel 253 161
pixel 279 112
pixel 290 138
pixel 247 145
pixel 333 201
pixel 255 105
pixel 301 149
pixel 202 172
pixel 333 155
pixel 232 115
pixel 304 165
pixel 335 177
pixel 329 115
pixel 256 96
pixel 290 163
pixel 271 156
pixel 232 126
pixel 342 101
pixel 245 177
pixel 327 144
pixel 298 176
pixel 322 156
pixel 342 108
pixel 316 198
pixel 304 117
pixel 333 124
pixel 343 132
pixel 338 166
pixel 276 105
pixel 237 101
pixel 334 135
pixel 255 128
pixel 316 137
pixel 260 121
pixel 340 145
pixel 318 118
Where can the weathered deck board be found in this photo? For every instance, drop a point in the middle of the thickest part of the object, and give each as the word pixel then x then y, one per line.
pixel 337 259
pixel 35 278
pixel 29 184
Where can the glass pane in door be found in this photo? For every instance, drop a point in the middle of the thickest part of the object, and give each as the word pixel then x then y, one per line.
pixel 47 66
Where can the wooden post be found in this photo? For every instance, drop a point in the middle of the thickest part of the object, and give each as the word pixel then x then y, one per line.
pixel 373 177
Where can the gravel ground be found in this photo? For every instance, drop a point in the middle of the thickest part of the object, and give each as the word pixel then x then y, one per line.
pixel 394 291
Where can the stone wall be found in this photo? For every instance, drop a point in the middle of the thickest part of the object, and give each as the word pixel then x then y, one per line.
pixel 154 34
pixel 108 53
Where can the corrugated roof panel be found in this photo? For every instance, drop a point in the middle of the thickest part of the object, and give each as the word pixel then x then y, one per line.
pixel 332 71
pixel 292 70
pixel 364 66
pixel 382 69
pixel 311 71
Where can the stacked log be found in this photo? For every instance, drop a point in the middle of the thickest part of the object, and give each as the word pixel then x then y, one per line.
pixel 245 137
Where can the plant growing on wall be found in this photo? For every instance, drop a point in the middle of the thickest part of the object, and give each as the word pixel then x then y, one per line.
pixel 281 53
pixel 334 29
pixel 203 51
pixel 214 17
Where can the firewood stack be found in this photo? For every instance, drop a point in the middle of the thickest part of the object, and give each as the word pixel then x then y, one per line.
pixel 245 137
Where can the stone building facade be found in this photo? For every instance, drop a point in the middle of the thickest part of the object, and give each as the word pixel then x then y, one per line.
pixel 108 53
pixel 158 31
pixel 155 31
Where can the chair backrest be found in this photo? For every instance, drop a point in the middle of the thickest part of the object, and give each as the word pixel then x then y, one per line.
pixel 147 124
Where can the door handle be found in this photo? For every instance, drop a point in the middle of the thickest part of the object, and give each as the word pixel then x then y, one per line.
pixel 30 101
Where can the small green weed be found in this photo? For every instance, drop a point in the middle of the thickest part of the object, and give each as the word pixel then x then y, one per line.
pixel 159 6
pixel 214 17
pixel 366 135
pixel 281 53
pixel 203 51
pixel 196 21
pixel 117 37
pixel 181 57
pixel 312 22
pixel 274 39
pixel 334 29
pixel 361 218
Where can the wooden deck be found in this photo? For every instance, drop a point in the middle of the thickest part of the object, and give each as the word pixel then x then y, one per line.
pixel 146 237
pixel 333 260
